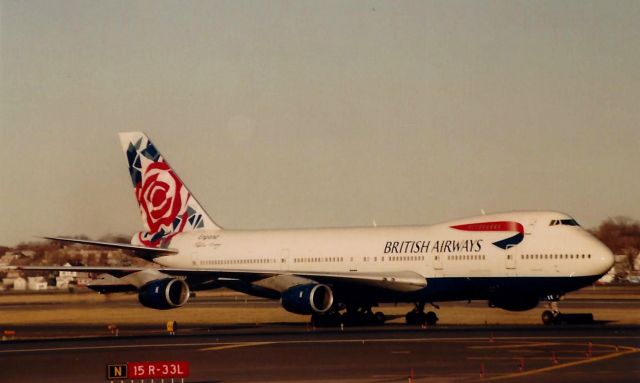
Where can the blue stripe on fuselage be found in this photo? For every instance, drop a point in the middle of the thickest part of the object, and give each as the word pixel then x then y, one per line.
pixel 442 289
pixel 446 288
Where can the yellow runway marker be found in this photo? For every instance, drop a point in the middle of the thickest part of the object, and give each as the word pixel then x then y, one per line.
pixel 234 345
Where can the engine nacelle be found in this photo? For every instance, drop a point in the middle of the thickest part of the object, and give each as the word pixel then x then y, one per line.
pixel 522 303
pixel 307 299
pixel 164 294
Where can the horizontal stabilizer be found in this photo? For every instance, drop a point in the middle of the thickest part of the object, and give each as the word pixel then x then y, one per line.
pixel 147 253
pixel 115 271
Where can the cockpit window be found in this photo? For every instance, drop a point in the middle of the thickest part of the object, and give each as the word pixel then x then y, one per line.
pixel 566 222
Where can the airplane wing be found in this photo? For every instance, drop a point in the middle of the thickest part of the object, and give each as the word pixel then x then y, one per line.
pixel 146 253
pixel 405 281
pixel 116 279
pixel 138 276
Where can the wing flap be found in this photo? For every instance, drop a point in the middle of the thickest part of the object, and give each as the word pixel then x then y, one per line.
pixel 402 282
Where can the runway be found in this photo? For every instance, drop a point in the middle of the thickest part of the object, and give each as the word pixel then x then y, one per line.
pixel 393 353
pixel 471 343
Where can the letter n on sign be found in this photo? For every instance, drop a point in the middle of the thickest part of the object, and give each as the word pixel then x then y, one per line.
pixel 116 371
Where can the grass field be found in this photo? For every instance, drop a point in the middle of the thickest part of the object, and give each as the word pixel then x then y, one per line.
pixel 122 309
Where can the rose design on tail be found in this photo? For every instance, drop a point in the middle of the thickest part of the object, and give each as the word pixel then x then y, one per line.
pixel 163 200
pixel 166 205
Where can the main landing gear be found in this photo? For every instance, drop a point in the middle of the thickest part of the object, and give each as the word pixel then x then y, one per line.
pixel 362 316
pixel 332 318
pixel 417 316
pixel 353 316
pixel 365 316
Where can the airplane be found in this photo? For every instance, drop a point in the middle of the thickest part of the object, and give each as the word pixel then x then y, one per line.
pixel 512 260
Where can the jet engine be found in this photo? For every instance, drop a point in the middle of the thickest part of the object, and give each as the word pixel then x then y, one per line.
pixel 164 294
pixel 307 299
pixel 515 303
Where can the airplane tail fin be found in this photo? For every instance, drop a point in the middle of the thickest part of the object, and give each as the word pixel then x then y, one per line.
pixel 166 205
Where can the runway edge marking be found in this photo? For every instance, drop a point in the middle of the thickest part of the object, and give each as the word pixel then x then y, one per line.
pixel 234 345
pixel 518 345
pixel 381 340
pixel 630 350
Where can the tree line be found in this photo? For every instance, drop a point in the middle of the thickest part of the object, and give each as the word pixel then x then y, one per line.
pixel 621 235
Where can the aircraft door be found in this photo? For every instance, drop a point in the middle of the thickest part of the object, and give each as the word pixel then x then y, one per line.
pixel 437 265
pixel 531 225
pixel 511 255
pixel 284 260
pixel 437 262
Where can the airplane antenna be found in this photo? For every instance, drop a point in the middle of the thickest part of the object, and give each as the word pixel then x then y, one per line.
pixel 482 211
pixel 375 224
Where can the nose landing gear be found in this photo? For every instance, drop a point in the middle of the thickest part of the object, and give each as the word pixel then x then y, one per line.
pixel 553 316
pixel 549 317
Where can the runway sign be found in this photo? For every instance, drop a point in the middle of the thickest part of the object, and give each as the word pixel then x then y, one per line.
pixel 116 371
pixel 148 370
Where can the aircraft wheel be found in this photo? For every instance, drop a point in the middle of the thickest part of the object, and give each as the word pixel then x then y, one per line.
pixel 431 318
pixel 418 318
pixel 379 317
pixel 548 318
pixel 350 318
pixel 316 320
pixel 411 318
pixel 362 316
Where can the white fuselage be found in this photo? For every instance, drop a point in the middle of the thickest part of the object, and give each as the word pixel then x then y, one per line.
pixel 436 251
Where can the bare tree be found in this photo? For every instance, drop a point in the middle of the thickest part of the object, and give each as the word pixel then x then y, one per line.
pixel 621 235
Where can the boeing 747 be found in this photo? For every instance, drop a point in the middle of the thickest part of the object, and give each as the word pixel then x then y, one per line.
pixel 512 260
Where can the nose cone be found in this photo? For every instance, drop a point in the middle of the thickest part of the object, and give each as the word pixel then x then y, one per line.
pixel 602 258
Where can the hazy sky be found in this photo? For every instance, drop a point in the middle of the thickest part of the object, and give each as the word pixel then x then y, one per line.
pixel 319 113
